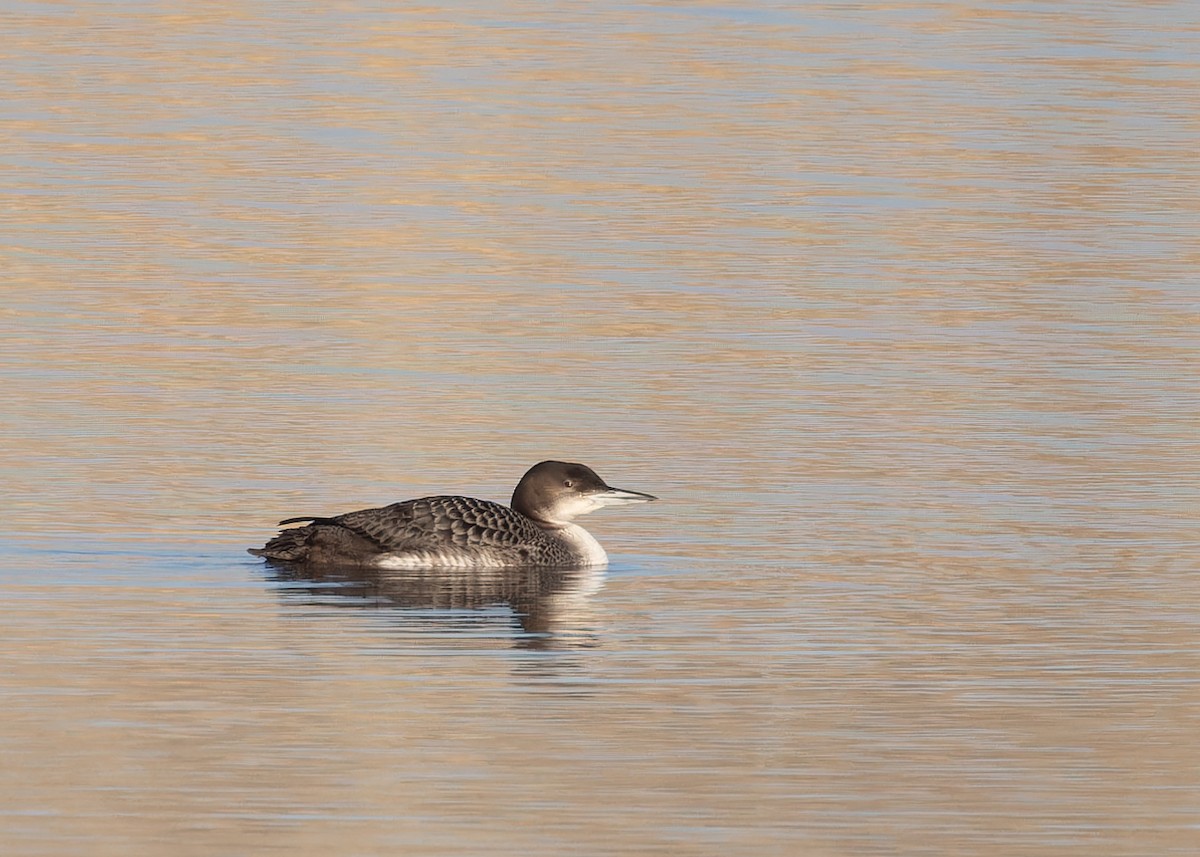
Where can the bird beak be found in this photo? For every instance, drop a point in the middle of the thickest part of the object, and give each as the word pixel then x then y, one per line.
pixel 620 497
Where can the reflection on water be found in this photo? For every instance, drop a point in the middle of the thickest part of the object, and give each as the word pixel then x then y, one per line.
pixel 543 608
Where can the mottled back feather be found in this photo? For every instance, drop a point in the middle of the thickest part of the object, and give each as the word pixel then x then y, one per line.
pixel 436 522
pixel 434 526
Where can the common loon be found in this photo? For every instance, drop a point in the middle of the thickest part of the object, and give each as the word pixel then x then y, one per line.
pixel 462 532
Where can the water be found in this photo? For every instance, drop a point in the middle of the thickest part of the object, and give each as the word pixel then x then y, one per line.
pixel 894 306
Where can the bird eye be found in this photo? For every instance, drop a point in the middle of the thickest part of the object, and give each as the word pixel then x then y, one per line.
pixel 568 484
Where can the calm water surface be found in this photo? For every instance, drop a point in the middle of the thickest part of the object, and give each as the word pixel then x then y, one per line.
pixel 895 306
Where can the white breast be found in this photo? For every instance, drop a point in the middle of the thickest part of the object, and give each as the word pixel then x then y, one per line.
pixel 582 543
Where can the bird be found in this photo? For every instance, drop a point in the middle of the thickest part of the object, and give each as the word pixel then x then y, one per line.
pixel 450 531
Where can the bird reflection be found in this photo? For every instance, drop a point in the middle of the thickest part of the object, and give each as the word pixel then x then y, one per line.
pixel 550 607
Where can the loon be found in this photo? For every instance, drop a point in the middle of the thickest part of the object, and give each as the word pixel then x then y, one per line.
pixel 462 532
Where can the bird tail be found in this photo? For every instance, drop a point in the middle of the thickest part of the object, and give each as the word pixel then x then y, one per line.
pixel 290 545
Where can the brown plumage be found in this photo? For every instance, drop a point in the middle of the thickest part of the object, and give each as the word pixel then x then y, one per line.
pixel 462 531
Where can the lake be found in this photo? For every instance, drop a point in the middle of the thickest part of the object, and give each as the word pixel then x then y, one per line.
pixel 894 306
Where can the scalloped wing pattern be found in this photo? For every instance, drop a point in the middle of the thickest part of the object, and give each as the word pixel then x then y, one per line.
pixel 432 524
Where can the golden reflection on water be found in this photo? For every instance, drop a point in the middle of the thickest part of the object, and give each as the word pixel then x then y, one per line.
pixel 893 305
